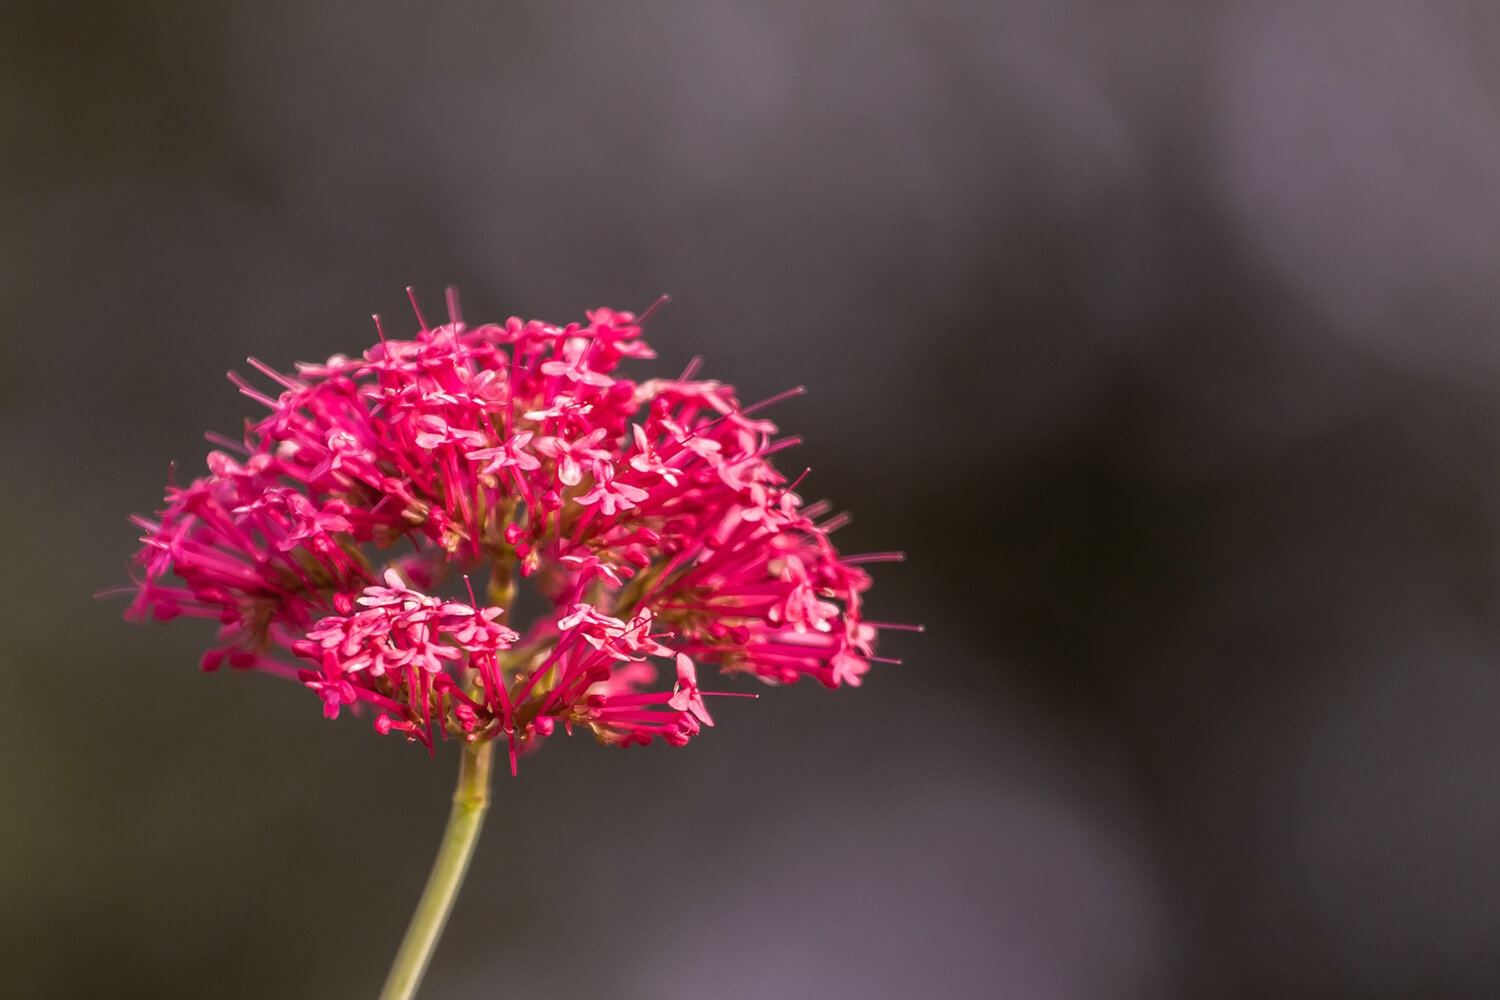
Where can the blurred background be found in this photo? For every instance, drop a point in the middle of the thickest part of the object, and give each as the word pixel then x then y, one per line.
pixel 1163 337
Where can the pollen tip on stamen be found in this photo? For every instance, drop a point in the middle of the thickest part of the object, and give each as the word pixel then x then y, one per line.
pixel 798 480
pixel 780 397
pixel 379 330
pixel 411 293
pixel 248 390
pixel 873 557
pixel 225 442
pixel 841 520
pixel 661 300
pixel 897 626
pixel 782 445
pixel 270 372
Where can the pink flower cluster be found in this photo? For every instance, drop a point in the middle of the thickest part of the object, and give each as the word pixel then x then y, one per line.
pixel 648 514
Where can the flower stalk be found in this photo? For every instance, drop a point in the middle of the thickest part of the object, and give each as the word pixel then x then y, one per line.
pixel 471 798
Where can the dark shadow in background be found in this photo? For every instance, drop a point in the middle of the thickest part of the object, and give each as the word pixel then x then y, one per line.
pixel 1162 341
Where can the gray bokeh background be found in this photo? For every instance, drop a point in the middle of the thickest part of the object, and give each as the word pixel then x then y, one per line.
pixel 1163 337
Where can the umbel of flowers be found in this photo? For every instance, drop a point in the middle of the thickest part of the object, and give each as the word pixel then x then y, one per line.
pixel 647 514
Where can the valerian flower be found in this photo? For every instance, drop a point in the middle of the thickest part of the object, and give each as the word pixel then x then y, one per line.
pixel 648 514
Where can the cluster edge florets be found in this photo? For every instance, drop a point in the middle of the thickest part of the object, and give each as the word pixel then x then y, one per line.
pixel 648 514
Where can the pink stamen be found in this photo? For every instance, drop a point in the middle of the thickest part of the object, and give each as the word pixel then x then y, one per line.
pixel 412 295
pixel 651 310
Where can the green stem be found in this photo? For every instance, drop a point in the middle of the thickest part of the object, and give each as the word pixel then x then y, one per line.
pixel 470 800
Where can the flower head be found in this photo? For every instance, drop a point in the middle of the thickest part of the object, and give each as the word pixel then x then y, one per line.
pixel 648 514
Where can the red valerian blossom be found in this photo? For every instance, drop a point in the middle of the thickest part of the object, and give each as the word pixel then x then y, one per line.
pixel 648 514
